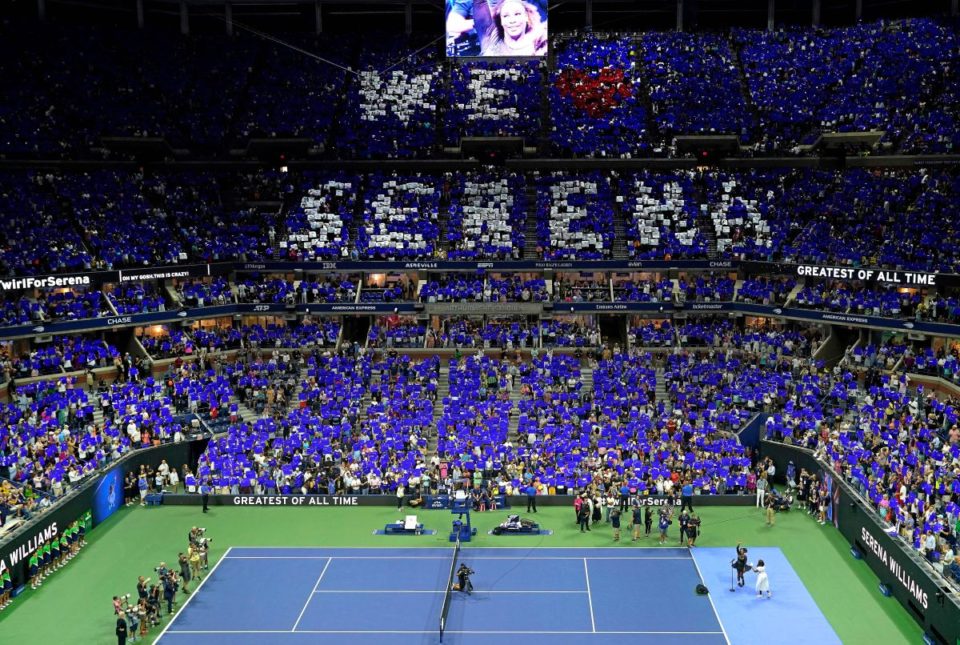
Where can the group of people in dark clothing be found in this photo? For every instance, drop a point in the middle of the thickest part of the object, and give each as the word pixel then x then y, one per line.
pixel 641 514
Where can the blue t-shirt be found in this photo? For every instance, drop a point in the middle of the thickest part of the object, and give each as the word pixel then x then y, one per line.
pixel 687 490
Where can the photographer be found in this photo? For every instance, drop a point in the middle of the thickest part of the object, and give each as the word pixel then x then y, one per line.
pixel 133 621
pixel 142 588
pixel 169 582
pixel 184 563
pixel 463 576
pixel 153 605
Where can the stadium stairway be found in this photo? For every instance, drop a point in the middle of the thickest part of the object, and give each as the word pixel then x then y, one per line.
pixel 443 391
pixel 513 432
pixel 530 231
pixel 706 226
pixel 792 296
pixel 619 250
pixel 745 91
pixel 246 415
pixel 661 389
pixel 586 379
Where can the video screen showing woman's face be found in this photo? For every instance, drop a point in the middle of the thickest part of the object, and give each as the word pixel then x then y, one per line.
pixel 496 28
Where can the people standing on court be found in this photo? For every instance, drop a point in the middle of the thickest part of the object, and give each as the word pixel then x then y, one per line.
pixel 771 515
pixel 761 489
pixel 615 523
pixel 121 628
pixel 663 524
pixel 740 564
pixel 577 505
pixel 531 498
pixel 583 517
pixel 400 494
pixel 682 520
pixel 686 495
pixel 647 522
pixel 763 582
pixel 693 529
pixel 205 494
pixel 637 521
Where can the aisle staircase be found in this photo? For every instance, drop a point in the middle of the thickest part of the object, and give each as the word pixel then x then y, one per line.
pixel 661 389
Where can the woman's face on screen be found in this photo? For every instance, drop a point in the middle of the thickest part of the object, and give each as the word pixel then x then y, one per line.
pixel 513 17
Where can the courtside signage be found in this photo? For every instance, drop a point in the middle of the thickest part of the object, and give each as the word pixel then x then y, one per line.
pixel 293 500
pixel 21 551
pixel 898 570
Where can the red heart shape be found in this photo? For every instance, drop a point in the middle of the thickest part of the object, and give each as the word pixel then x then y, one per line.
pixel 595 92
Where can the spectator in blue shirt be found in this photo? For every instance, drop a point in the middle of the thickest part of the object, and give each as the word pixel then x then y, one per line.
pixel 531 498
pixel 686 496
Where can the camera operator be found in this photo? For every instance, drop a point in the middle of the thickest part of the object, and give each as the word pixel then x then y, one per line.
pixel 142 588
pixel 463 576
pixel 119 604
pixel 184 563
pixel 170 586
pixel 133 621
pixel 153 605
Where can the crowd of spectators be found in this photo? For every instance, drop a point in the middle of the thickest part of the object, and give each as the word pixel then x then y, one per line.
pixel 596 97
pixel 574 216
pixel 661 216
pixel 706 288
pixel 397 332
pixel 116 219
pixel 402 217
pixel 492 99
pixel 766 290
pixel 643 290
pixel 896 444
pixel 487 215
pixel 610 94
pixel 877 300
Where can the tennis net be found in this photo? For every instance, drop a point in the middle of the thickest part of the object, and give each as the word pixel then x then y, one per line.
pixel 449 592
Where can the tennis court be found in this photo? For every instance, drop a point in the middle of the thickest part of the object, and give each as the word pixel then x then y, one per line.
pixel 290 595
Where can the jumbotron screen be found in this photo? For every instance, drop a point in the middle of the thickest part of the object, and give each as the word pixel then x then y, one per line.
pixel 496 28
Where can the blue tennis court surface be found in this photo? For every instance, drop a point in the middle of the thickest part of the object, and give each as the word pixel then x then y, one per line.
pixel 317 595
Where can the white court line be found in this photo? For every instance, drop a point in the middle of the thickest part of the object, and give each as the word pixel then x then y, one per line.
pixel 438 591
pixel 715 613
pixel 193 595
pixel 438 557
pixel 586 573
pixel 400 631
pixel 471 548
pixel 310 597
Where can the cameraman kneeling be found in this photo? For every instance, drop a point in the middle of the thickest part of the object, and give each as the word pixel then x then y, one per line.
pixel 463 575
